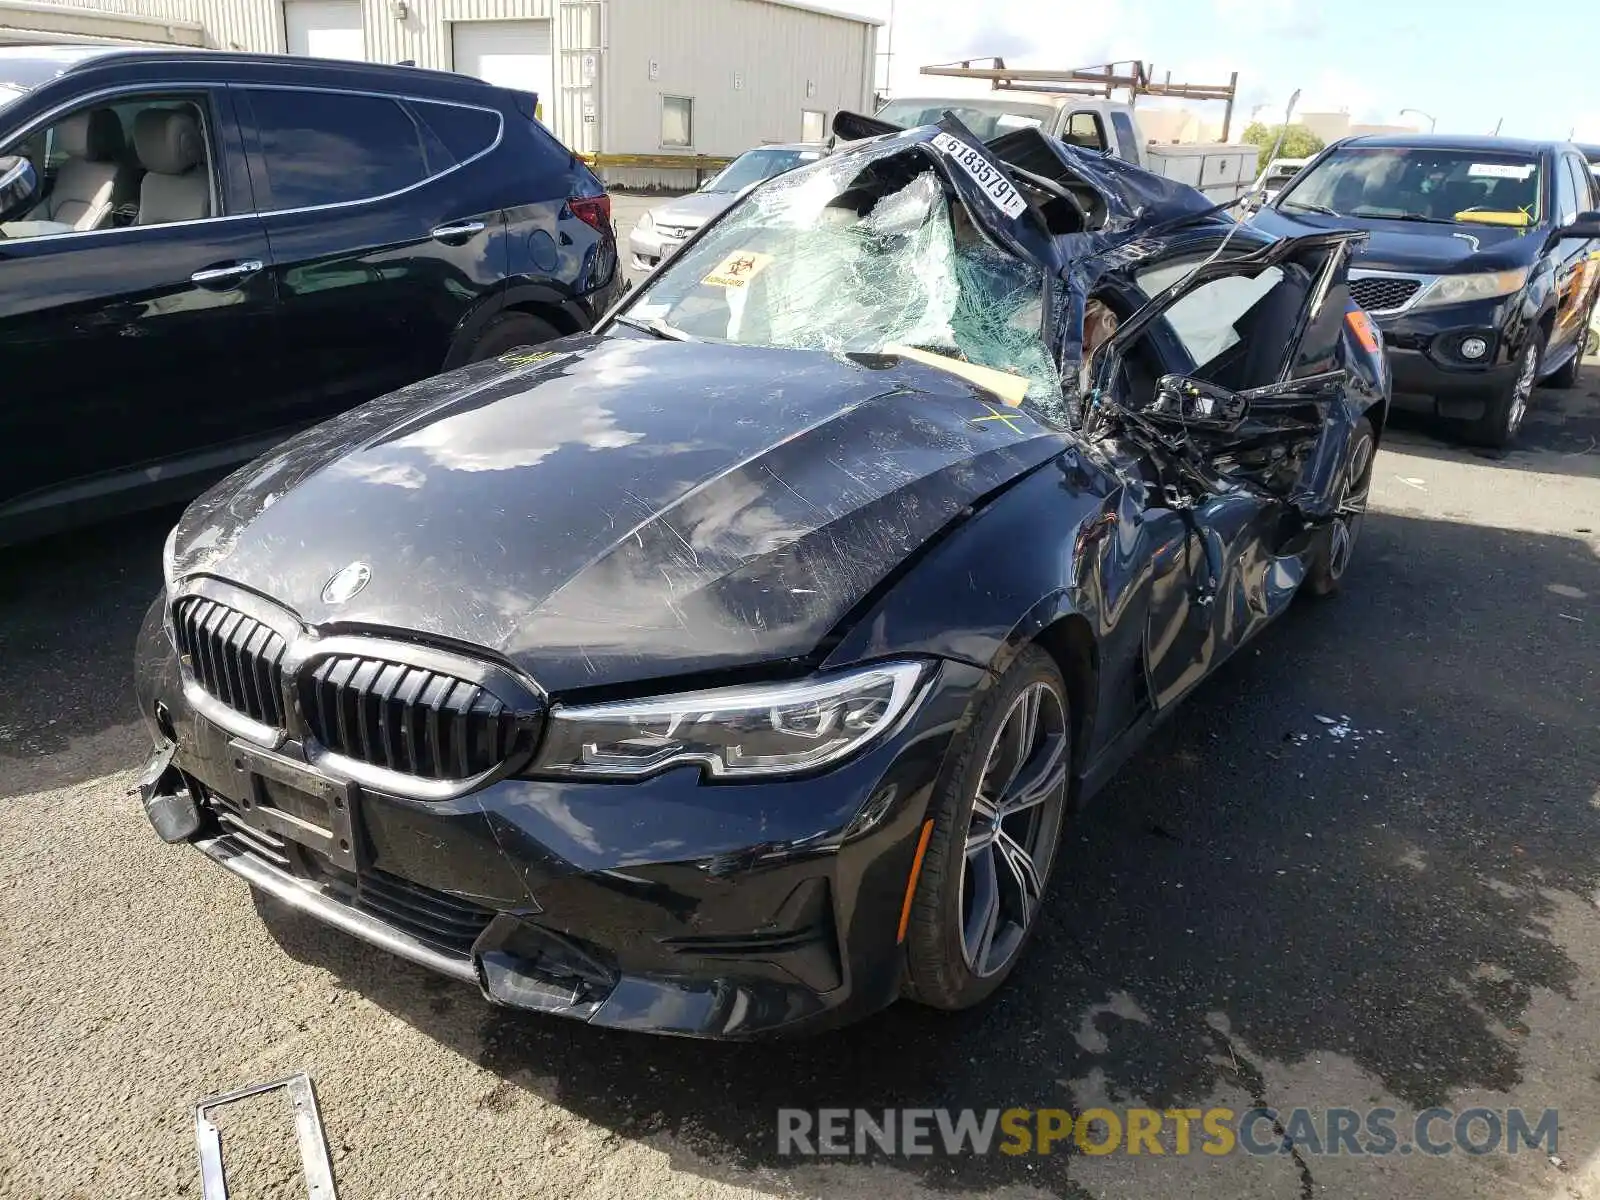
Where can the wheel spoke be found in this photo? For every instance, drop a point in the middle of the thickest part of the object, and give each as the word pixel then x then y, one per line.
pixel 985 820
pixel 1041 778
pixel 978 928
pixel 1026 718
pixel 1023 874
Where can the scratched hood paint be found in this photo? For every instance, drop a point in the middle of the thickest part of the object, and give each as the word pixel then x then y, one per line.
pixel 617 509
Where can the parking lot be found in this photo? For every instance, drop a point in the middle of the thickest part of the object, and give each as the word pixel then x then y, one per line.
pixel 1362 867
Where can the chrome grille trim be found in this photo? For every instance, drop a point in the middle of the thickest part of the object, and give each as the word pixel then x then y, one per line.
pixel 233 657
pixel 1384 293
pixel 422 722
pixel 403 718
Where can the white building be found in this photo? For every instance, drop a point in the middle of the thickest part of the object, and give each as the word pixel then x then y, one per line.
pixel 711 77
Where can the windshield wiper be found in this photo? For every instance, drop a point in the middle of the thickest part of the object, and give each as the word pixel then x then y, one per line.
pixel 656 326
pixel 1304 206
pixel 1423 217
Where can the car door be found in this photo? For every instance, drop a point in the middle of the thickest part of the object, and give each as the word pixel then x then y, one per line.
pixel 1569 256
pixel 135 352
pixel 1578 257
pixel 378 247
pixel 1257 335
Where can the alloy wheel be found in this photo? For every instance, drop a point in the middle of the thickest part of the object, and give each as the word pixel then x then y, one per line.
pixel 1527 376
pixel 1352 511
pixel 1011 835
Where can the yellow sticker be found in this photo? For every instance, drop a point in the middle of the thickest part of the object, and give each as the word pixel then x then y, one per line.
pixel 525 358
pixel 738 269
pixel 1517 220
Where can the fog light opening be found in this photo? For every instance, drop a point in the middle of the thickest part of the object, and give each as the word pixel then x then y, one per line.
pixel 1474 348
pixel 164 722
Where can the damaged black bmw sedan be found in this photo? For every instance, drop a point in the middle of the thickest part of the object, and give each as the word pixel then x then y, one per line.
pixel 735 668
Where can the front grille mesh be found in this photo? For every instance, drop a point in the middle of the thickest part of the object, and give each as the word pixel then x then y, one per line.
pixel 446 921
pixel 267 846
pixel 407 719
pixel 1378 293
pixel 234 658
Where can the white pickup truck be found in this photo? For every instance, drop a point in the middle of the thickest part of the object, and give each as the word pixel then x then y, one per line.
pixel 1222 170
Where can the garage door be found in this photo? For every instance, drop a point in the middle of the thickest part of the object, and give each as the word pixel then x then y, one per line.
pixel 324 28
pixel 513 54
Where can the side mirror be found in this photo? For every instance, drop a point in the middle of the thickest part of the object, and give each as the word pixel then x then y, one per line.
pixel 1587 227
pixel 1181 402
pixel 19 186
pixel 1252 202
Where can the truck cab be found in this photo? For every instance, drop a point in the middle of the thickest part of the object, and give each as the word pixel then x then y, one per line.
pixel 1086 123
pixel 1223 171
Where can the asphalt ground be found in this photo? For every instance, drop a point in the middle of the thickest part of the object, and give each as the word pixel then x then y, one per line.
pixel 1399 908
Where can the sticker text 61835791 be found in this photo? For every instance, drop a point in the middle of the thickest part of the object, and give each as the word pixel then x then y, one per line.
pixel 984 173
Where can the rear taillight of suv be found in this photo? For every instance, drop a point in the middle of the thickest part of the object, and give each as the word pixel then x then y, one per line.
pixel 592 210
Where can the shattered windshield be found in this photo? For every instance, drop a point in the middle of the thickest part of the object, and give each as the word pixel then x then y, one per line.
pixel 1421 184
pixel 845 257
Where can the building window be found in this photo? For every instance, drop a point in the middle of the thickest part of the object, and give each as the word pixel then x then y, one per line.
pixel 813 125
pixel 677 121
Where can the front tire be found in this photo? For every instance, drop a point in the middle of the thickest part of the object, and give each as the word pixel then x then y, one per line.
pixel 997 813
pixel 1567 376
pixel 1338 544
pixel 507 331
pixel 1503 413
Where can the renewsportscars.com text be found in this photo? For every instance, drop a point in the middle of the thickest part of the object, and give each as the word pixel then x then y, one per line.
pixel 1173 1131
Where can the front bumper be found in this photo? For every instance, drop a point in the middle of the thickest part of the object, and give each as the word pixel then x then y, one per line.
pixel 1430 375
pixel 670 905
pixel 649 248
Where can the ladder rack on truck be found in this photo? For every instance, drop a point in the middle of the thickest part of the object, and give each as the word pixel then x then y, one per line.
pixel 1077 106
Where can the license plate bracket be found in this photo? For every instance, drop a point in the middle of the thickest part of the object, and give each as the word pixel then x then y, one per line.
pixel 278 795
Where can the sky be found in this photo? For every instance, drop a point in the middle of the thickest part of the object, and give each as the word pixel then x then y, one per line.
pixel 1465 64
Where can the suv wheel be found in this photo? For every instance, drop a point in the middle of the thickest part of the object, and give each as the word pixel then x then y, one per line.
pixel 1339 545
pixel 997 817
pixel 507 331
pixel 1567 376
pixel 1503 414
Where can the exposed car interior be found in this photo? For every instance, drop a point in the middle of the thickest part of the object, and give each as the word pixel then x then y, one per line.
pixel 139 162
pixel 85 186
pixel 177 180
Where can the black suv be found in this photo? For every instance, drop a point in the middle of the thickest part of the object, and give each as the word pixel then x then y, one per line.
pixel 205 251
pixel 1482 266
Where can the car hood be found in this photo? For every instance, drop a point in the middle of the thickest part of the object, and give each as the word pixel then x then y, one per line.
pixel 1418 248
pixel 693 210
pixel 613 509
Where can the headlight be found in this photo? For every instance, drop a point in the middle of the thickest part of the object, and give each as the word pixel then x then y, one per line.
pixel 647 221
pixel 169 567
pixel 1459 289
pixel 738 732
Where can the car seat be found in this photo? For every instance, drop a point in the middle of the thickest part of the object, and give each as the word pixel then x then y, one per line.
pixel 85 184
pixel 177 183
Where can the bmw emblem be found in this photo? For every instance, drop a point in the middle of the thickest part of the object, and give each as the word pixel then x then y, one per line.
pixel 346 583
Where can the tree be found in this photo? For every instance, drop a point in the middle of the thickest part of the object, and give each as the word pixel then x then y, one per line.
pixel 1299 142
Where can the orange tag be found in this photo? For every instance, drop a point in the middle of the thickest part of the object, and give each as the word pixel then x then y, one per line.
pixel 1366 332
